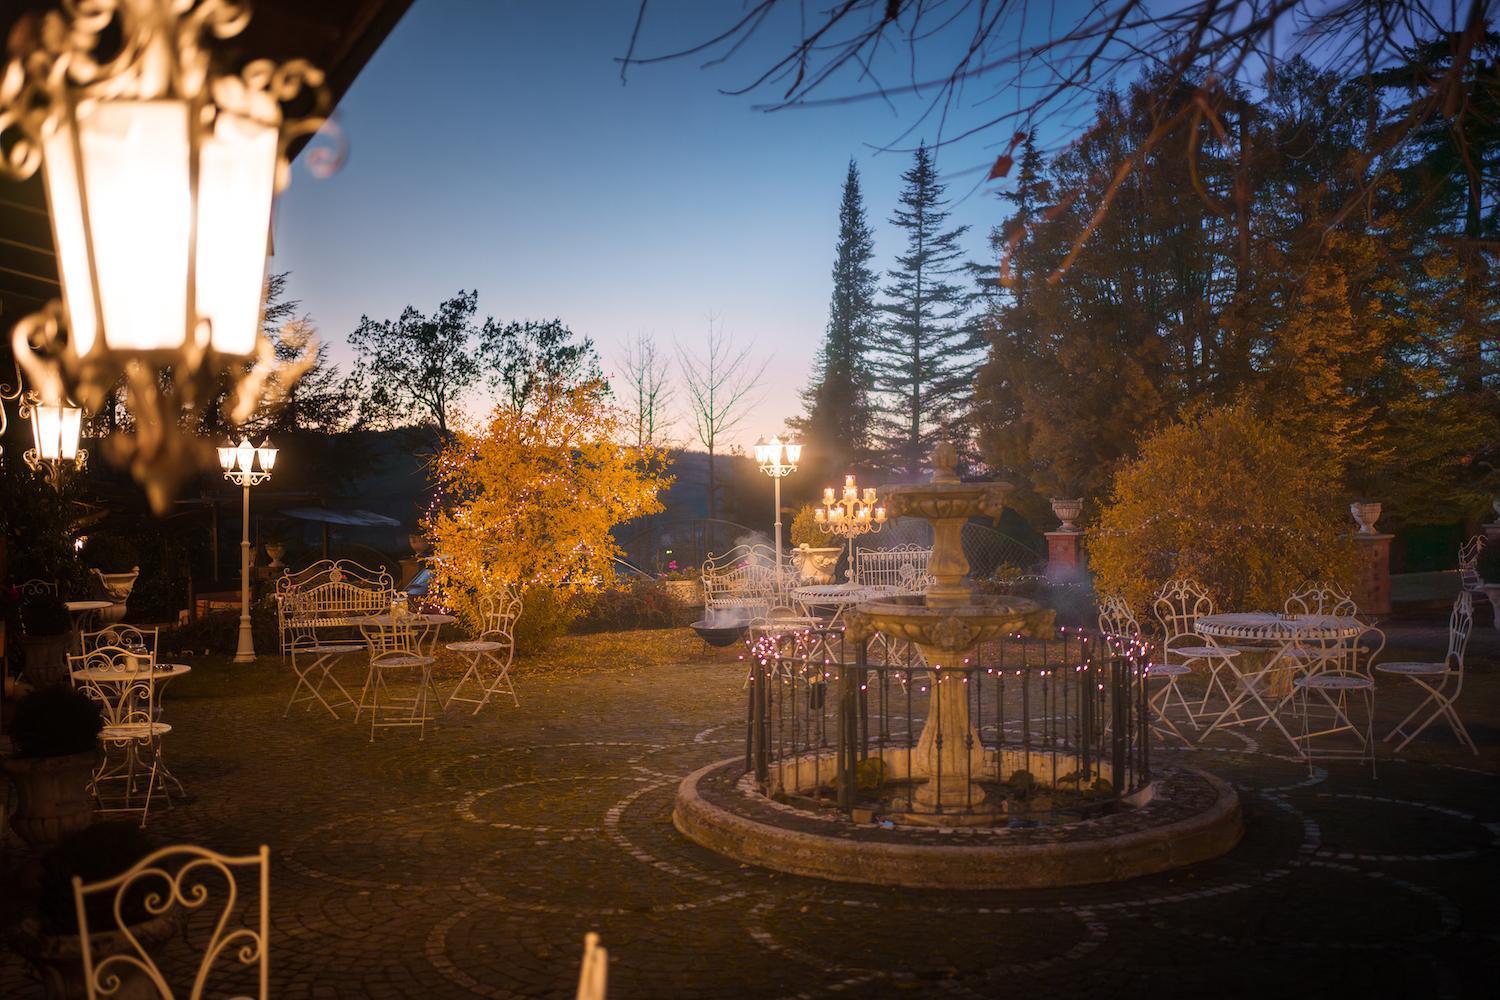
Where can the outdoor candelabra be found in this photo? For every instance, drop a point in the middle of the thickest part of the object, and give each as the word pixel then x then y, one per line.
pixel 239 464
pixel 777 459
pixel 850 515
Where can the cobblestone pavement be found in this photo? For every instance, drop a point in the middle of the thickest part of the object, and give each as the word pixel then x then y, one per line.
pixel 472 863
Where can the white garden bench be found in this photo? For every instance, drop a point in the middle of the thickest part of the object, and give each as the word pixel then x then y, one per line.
pixel 329 594
pixel 903 566
pixel 742 580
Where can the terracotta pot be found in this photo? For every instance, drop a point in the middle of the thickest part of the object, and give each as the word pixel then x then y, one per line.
pixel 46 659
pixel 815 565
pixel 58 958
pixel 52 796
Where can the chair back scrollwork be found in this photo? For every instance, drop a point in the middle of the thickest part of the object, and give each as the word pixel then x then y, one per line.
pixel 176 882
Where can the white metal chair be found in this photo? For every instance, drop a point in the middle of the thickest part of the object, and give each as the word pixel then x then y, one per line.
pixel 1321 598
pixel 123 682
pixel 492 650
pixel 1178 606
pixel 593 973
pixel 1117 621
pixel 131 637
pixel 395 645
pixel 1443 681
pixel 171 882
pixel 1338 674
pixel 38 587
pixel 313 660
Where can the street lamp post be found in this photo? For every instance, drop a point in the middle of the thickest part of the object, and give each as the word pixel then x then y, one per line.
pixel 777 459
pixel 850 515
pixel 238 462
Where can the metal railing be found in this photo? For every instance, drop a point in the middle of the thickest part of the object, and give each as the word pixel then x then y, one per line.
pixel 835 723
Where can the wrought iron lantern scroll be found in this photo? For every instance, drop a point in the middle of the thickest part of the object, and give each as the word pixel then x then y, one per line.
pixel 160 171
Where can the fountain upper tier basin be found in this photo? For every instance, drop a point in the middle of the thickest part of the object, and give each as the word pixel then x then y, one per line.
pixel 952 629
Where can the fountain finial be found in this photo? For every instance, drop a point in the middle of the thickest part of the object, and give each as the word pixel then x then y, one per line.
pixel 944 463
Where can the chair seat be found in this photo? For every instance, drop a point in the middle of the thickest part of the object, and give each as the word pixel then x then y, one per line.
pixel 402 661
pixel 1335 682
pixel 1168 669
pixel 134 731
pixel 475 646
pixel 1202 652
pixel 329 647
pixel 1424 669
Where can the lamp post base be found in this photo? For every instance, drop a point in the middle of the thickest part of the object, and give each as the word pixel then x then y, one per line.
pixel 245 650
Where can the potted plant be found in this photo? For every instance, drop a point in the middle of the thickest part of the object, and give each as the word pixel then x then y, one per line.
pixel 815 561
pixel 684 587
pixel 50 941
pixel 56 736
pixel 45 626
pixel 1488 567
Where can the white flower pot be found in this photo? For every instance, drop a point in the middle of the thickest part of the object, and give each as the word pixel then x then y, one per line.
pixel 815 565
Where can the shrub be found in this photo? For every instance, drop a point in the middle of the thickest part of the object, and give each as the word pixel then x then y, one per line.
pixel 1226 499
pixel 546 614
pixel 56 722
pixel 44 614
pixel 805 530
pixel 637 604
pixel 93 854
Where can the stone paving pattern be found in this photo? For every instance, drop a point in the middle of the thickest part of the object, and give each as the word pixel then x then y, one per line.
pixel 473 862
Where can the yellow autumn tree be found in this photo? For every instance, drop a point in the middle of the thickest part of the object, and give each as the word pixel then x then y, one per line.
pixel 1227 498
pixel 530 498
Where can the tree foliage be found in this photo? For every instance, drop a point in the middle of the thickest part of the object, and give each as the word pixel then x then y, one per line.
pixel 836 429
pixel 1346 327
pixel 1226 498
pixel 416 368
pixel 920 356
pixel 530 498
pixel 526 359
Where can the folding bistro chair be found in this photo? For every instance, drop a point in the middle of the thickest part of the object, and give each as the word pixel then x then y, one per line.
pixel 123 682
pixel 313 660
pixel 395 645
pixel 492 651
pixel 1117 621
pixel 1442 681
pixel 1178 606
pixel 1338 676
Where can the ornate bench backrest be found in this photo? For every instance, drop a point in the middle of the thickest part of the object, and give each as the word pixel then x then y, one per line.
pixel 903 566
pixel 746 573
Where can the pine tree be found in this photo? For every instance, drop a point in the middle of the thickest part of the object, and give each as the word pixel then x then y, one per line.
pixel 836 429
pixel 921 362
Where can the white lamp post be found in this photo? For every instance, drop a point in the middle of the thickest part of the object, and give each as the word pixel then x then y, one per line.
pixel 160 173
pixel 850 515
pixel 238 462
pixel 777 459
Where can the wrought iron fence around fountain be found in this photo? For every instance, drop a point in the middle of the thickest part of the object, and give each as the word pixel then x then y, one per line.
pixel 1060 728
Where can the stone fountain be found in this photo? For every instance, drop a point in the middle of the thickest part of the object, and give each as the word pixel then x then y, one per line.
pixel 947 624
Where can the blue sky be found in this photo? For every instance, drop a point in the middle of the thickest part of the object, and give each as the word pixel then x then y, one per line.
pixel 492 146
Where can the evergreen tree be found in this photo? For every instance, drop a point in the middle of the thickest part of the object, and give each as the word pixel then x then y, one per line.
pixel 836 429
pixel 921 360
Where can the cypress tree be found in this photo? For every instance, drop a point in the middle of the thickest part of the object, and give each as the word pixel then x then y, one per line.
pixel 837 425
pixel 921 362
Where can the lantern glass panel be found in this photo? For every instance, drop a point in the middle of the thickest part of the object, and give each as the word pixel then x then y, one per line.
pixel 246 452
pixel 236 176
pixel 70 427
pixel 135 171
pixel 66 210
pixel 793 454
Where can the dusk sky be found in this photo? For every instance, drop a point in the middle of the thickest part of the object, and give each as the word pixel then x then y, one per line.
pixel 493 146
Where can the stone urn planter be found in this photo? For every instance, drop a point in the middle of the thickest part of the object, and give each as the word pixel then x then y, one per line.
pixel 815 566
pixel 1365 514
pixel 1068 512
pixel 276 550
pixel 58 958
pixel 52 796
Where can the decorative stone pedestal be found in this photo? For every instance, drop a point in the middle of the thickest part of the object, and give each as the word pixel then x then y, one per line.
pixel 1372 582
pixel 1065 554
